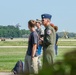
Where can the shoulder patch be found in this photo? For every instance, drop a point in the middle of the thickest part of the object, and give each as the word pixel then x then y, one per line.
pixel 49 32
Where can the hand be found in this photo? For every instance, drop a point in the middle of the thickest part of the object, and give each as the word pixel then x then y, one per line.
pixel 32 58
pixel 40 41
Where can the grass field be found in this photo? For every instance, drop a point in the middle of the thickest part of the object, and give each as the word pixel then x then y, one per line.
pixel 13 43
pixel 9 56
pixel 24 43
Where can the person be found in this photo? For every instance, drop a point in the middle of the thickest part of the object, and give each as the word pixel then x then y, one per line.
pixel 40 32
pixel 48 42
pixel 56 42
pixel 52 25
pixel 31 58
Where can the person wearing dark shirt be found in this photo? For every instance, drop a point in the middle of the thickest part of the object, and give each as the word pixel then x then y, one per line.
pixel 56 42
pixel 31 58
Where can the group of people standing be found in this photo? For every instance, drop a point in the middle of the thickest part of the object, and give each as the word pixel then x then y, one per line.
pixel 41 43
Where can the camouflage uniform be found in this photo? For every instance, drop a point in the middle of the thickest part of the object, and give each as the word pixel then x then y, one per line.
pixel 40 31
pixel 48 45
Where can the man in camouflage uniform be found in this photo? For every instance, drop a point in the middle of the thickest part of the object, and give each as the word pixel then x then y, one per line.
pixel 49 41
pixel 40 32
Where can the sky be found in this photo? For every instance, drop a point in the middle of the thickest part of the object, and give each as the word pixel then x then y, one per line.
pixel 63 12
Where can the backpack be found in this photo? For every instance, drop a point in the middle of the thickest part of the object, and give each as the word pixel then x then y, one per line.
pixel 18 68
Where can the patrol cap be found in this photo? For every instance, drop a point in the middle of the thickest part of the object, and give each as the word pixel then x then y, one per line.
pixel 46 16
pixel 39 21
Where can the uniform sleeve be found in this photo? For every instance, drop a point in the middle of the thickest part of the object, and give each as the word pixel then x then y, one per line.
pixel 48 37
pixel 42 32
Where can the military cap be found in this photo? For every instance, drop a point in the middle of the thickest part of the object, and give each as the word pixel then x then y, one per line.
pixel 39 21
pixel 46 16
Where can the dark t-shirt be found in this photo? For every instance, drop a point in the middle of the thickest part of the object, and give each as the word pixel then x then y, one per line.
pixel 33 39
pixel 57 37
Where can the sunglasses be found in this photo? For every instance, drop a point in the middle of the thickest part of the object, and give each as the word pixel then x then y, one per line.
pixel 42 20
pixel 38 22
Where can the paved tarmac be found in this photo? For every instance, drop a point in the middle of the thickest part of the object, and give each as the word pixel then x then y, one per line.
pixel 26 46
pixel 6 73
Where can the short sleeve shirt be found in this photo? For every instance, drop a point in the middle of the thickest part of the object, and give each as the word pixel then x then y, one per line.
pixel 33 39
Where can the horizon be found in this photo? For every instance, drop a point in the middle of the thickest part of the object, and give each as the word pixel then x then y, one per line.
pixel 28 29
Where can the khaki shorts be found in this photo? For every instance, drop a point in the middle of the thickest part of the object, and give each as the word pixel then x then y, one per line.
pixel 31 66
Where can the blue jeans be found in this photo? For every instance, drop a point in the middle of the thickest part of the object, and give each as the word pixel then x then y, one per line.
pixel 39 57
pixel 39 49
pixel 56 49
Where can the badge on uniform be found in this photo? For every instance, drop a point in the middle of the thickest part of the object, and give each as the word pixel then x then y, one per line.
pixel 49 32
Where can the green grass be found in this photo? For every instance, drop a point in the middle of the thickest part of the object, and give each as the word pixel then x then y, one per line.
pixel 61 52
pixel 13 43
pixel 24 43
pixel 67 43
pixel 9 56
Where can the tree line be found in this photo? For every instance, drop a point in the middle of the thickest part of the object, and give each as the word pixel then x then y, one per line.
pixel 12 31
pixel 68 34
pixel 15 32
